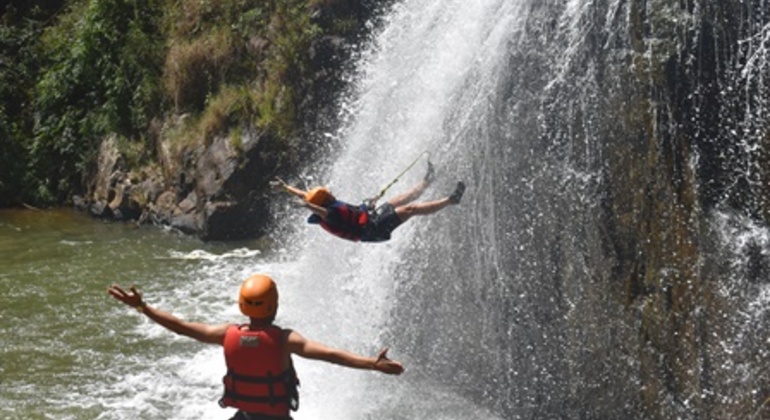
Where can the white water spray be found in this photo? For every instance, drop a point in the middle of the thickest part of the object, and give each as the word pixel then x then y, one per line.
pixel 430 58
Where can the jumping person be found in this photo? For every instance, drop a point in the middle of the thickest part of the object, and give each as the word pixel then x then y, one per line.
pixel 362 223
pixel 260 380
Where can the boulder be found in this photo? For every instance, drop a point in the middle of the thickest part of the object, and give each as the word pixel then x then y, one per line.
pixel 232 186
pixel 108 168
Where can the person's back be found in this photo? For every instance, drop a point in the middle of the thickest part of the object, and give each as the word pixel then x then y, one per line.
pixel 343 220
pixel 260 381
pixel 260 374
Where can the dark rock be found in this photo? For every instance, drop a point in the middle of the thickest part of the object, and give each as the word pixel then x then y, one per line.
pixel 150 189
pixel 80 203
pixel 186 223
pixel 100 209
pixel 227 179
pixel 327 51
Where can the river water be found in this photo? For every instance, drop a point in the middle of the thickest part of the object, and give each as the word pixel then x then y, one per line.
pixel 69 351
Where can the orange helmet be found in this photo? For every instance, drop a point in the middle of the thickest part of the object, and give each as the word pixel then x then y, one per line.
pixel 318 196
pixel 258 297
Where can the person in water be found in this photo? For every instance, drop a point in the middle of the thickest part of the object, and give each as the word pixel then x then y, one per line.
pixel 260 381
pixel 362 223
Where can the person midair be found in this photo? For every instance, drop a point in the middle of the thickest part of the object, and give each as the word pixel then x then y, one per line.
pixel 260 381
pixel 361 222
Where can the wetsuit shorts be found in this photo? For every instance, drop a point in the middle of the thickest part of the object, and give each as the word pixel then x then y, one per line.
pixel 381 224
pixel 242 415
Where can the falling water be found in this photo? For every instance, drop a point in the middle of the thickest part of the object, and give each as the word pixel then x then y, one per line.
pixel 608 260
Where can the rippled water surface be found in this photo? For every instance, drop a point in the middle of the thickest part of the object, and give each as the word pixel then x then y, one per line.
pixel 68 350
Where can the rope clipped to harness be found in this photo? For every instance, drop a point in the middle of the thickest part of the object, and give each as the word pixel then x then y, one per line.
pixel 372 202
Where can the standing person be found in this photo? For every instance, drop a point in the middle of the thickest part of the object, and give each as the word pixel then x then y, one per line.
pixel 260 380
pixel 362 223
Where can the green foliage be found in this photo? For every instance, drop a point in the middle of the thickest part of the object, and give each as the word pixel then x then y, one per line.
pixel 102 78
pixel 74 72
pixel 134 152
pixel 13 169
pixel 236 141
pixel 196 68
pixel 19 62
pixel 286 67
pixel 230 108
pixel 225 112
pixel 207 55
pixel 188 19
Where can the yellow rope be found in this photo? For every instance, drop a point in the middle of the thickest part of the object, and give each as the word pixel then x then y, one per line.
pixel 372 201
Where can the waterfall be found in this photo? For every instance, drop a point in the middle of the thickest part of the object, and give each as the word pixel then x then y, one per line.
pixel 421 86
pixel 614 153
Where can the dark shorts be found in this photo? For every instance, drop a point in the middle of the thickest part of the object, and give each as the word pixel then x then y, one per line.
pixel 242 415
pixel 381 223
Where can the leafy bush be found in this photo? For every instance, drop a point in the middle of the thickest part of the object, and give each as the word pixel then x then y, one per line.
pixel 194 69
pixel 102 77
pixel 129 67
pixel 20 28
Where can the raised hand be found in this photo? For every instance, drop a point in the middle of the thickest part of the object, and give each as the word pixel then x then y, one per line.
pixel 133 299
pixel 278 184
pixel 385 365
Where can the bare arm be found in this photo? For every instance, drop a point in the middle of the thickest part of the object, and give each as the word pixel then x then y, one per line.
pixel 317 210
pixel 212 334
pixel 280 185
pixel 309 349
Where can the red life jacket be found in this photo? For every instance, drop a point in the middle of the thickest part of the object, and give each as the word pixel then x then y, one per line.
pixel 256 381
pixel 345 220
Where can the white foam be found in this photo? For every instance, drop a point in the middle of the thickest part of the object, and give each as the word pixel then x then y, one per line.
pixel 335 291
pixel 200 254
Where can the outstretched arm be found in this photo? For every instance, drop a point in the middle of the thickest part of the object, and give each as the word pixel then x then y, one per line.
pixel 309 349
pixel 280 185
pixel 212 334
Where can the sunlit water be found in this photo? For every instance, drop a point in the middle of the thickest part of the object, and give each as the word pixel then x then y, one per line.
pixel 69 351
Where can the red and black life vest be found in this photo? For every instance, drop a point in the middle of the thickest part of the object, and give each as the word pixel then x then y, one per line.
pixel 345 220
pixel 256 381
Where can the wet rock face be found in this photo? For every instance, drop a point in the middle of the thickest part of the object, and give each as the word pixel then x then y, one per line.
pixel 623 141
pixel 112 187
pixel 232 187
pixel 223 196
